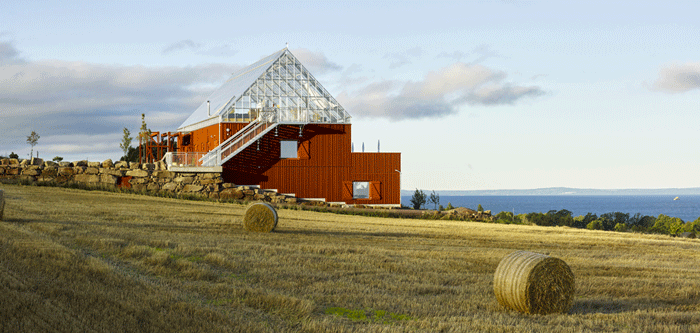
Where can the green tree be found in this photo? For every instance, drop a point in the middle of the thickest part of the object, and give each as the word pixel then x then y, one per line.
pixel 479 209
pixel 505 217
pixel 13 155
pixel 32 139
pixel 131 156
pixel 595 225
pixel 582 222
pixel 58 159
pixel 693 227
pixel 621 227
pixel 449 206
pixel 435 198
pixel 563 218
pixel 126 141
pixel 418 199
pixel 667 225
pixel 540 219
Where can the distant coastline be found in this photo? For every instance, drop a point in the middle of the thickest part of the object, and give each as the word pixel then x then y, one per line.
pixel 566 191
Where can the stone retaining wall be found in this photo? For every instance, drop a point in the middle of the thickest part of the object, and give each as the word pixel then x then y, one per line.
pixel 153 177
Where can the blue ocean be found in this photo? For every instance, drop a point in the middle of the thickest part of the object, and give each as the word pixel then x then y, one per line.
pixel 686 208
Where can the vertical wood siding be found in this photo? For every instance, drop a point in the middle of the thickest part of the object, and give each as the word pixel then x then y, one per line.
pixel 323 165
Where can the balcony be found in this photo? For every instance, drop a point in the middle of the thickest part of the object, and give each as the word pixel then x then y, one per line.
pixel 190 162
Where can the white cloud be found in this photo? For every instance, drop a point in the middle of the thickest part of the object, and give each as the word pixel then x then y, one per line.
pixel 677 78
pixel 440 93
pixel 78 98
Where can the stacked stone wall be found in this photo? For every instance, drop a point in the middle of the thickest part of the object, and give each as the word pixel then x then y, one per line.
pixel 151 177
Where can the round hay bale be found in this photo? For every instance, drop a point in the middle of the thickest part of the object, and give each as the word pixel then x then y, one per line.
pixel 2 203
pixel 260 217
pixel 534 283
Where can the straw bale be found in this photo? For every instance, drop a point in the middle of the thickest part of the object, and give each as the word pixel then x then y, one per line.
pixel 2 203
pixel 534 283
pixel 260 217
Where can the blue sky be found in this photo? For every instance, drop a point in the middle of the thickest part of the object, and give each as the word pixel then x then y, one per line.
pixel 474 94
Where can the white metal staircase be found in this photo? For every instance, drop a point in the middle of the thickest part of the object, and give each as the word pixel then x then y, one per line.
pixel 249 134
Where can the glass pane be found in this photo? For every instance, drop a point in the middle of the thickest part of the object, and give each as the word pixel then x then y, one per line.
pixel 288 149
pixel 360 190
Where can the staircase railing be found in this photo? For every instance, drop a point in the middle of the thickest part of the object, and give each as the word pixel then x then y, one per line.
pixel 265 122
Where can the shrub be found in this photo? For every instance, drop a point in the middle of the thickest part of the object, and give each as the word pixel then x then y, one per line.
pixel 505 217
pixel 595 225
pixel 667 225
pixel 621 227
pixel 540 219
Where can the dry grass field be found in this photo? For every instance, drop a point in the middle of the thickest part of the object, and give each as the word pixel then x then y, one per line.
pixel 74 260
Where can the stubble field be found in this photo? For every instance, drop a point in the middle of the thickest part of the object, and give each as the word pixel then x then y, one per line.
pixel 74 260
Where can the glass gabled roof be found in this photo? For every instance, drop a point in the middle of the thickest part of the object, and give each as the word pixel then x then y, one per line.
pixel 279 81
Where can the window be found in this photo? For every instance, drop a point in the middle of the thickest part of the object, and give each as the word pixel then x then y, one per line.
pixel 360 190
pixel 288 149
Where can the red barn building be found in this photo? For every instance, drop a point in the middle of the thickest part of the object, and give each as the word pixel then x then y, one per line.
pixel 274 126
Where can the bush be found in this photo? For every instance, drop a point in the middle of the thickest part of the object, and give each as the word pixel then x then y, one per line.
pixel 667 225
pixel 504 217
pixel 539 219
pixel 595 225
pixel 621 227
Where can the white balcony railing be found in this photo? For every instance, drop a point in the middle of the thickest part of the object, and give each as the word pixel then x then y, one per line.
pixel 186 160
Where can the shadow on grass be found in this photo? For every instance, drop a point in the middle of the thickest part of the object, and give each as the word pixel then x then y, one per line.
pixel 346 233
pixel 612 306
pixel 591 306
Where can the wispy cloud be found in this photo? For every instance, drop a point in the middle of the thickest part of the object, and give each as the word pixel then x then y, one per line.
pixel 186 44
pixel 483 52
pixel 221 50
pixel 678 78
pixel 399 59
pixel 439 94
pixel 316 62
pixel 456 55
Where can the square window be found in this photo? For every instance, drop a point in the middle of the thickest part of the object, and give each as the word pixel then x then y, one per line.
pixel 288 149
pixel 360 190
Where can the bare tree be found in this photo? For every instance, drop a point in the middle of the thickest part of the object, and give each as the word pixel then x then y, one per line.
pixel 32 139
pixel 145 135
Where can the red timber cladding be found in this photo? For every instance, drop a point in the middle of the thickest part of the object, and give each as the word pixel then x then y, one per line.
pixel 381 170
pixel 324 165
pixel 207 138
pixel 318 174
